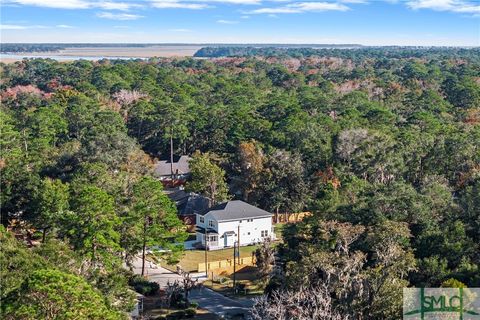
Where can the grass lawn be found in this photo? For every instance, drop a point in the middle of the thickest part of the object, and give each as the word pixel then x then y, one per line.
pixel 190 260
pixel 247 276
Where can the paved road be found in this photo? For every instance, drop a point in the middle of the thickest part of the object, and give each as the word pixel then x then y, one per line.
pixel 206 298
pixel 219 304
pixel 161 275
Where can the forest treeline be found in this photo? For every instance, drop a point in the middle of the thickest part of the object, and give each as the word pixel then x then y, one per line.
pixel 385 153
pixel 347 51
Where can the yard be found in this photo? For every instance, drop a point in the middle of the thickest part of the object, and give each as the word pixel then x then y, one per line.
pixel 191 258
pixel 246 277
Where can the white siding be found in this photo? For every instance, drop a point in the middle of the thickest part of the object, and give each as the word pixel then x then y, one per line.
pixel 200 236
pixel 250 230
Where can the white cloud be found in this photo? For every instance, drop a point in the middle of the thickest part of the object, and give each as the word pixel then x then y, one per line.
pixel 12 27
pixel 303 7
pixel 227 21
pixel 61 4
pixel 21 27
pixel 77 4
pixel 459 6
pixel 245 17
pixel 174 4
pixel 248 2
pixel 355 1
pixel 123 6
pixel 64 26
pixel 118 16
pixel 197 4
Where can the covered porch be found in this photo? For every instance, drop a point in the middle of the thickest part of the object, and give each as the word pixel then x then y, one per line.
pixel 211 236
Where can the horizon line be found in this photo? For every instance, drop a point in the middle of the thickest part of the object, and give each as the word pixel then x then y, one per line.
pixel 246 44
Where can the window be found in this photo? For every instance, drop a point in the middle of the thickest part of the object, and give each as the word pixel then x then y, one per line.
pixel 264 233
pixel 248 233
pixel 202 219
pixel 211 223
pixel 240 221
pixel 213 238
pixel 250 220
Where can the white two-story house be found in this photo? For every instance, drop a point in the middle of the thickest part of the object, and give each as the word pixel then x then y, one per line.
pixel 232 221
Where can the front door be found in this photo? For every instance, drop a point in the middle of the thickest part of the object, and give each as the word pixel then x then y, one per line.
pixel 226 240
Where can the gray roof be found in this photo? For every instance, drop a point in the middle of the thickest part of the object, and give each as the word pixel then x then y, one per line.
pixel 188 202
pixel 180 166
pixel 235 210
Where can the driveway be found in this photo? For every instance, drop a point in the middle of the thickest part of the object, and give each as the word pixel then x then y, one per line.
pixel 206 298
pixel 161 275
pixel 219 304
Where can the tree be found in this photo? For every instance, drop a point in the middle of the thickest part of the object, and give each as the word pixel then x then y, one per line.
pixel 251 162
pixel 208 179
pixel 52 294
pixel 52 204
pixel 331 257
pixel 154 217
pixel 17 263
pixel 283 187
pixel 305 303
pixel 265 257
pixel 91 227
pixel 370 155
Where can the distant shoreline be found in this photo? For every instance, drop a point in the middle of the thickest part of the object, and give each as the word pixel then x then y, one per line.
pixel 99 53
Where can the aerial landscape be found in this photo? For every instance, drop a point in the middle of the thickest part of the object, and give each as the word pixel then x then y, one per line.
pixel 226 159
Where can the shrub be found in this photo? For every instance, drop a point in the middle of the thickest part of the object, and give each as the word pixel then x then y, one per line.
pixel 241 286
pixel 222 280
pixel 143 286
pixel 190 312
pixel 176 315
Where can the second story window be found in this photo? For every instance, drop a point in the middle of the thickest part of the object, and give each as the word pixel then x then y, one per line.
pixel 202 219
pixel 211 223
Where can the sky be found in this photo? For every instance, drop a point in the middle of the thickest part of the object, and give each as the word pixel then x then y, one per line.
pixel 367 22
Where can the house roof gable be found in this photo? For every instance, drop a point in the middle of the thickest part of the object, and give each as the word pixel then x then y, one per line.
pixel 180 164
pixel 235 210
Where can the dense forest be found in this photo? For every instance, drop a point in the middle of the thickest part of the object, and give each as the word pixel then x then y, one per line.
pixel 353 52
pixel 382 147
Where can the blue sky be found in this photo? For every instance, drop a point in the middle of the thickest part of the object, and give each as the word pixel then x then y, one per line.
pixel 368 22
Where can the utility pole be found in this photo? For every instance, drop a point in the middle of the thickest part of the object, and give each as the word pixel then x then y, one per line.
pixel 206 249
pixel 236 253
pixel 234 259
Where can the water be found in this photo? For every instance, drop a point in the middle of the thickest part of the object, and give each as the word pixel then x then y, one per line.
pixel 10 57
